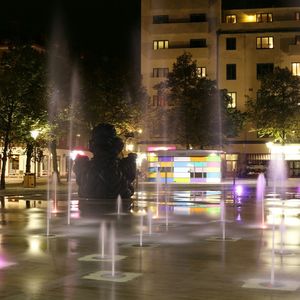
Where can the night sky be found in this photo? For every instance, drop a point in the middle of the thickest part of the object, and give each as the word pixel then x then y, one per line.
pixel 94 28
pixel 97 29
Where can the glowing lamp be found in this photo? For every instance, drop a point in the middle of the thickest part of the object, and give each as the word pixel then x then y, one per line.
pixel 74 153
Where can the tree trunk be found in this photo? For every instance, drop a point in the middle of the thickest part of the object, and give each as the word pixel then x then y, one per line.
pixel 29 152
pixel 4 160
pixel 54 159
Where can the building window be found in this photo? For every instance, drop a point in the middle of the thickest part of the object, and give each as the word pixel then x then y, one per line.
pixel 232 103
pixel 159 100
pixel 231 19
pixel 161 19
pixel 197 18
pixel 296 68
pixel 297 15
pixel 198 43
pixel 201 72
pixel 297 40
pixel 231 163
pixel 263 69
pixel 231 44
pixel 160 72
pixel 14 164
pixel 231 72
pixel 264 17
pixel 164 44
pixel 265 42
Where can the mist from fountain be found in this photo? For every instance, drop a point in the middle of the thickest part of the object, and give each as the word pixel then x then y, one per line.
pixel 102 238
pixel 75 98
pixel 141 230
pixel 277 174
pixel 113 250
pixel 277 178
pixel 260 197
pixel 149 215
pixel 54 193
pixel 119 205
pixel 158 188
pixel 222 219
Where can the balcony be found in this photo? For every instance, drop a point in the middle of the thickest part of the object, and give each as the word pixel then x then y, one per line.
pixel 179 28
pixel 260 27
pixel 174 52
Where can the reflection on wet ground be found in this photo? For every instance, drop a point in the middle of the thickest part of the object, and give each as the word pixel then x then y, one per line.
pixel 168 244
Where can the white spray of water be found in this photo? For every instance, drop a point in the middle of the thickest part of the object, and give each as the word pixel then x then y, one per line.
pixel 260 195
pixel 75 96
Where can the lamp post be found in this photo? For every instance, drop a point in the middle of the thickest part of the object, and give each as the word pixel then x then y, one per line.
pixel 34 135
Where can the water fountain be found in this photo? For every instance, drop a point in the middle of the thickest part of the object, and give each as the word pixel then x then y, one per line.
pixel 149 215
pixel 260 196
pixel 141 230
pixel 102 238
pixel 277 177
pixel 75 96
pixel 119 205
pixel 167 213
pixel 112 274
pixel 158 188
pixel 223 236
pixel 105 241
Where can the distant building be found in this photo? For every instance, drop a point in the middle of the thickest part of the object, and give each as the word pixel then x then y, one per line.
pixel 231 45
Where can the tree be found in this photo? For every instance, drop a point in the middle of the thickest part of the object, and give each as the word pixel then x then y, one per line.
pixel 22 96
pixel 113 97
pixel 276 110
pixel 202 110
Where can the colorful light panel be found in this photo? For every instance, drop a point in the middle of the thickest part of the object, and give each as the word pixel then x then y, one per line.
pixel 184 169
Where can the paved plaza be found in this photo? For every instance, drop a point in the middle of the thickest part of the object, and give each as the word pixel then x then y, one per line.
pixel 176 242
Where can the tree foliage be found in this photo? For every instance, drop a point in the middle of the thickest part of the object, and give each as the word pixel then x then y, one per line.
pixel 22 96
pixel 111 97
pixel 276 110
pixel 202 110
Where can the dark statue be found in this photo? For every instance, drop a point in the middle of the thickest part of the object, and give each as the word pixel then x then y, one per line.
pixel 106 175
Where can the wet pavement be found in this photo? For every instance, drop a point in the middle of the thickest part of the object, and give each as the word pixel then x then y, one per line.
pixel 187 242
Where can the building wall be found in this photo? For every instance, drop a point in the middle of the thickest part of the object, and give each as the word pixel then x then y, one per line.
pixel 283 27
pixel 16 163
pixel 178 31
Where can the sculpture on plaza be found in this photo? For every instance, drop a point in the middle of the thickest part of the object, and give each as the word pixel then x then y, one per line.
pixel 106 175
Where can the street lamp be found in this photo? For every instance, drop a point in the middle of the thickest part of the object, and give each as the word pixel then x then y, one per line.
pixel 34 135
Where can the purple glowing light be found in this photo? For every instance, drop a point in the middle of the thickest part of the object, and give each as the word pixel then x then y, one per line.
pixel 239 190
pixel 4 263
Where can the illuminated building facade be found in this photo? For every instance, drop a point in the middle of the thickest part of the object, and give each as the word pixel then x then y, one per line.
pixel 234 47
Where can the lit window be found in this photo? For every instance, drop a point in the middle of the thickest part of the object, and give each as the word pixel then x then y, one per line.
pixel 296 69
pixel 250 18
pixel 265 42
pixel 264 17
pixel 201 71
pixel 160 72
pixel 297 15
pixel 164 44
pixel 232 103
pixel 231 19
